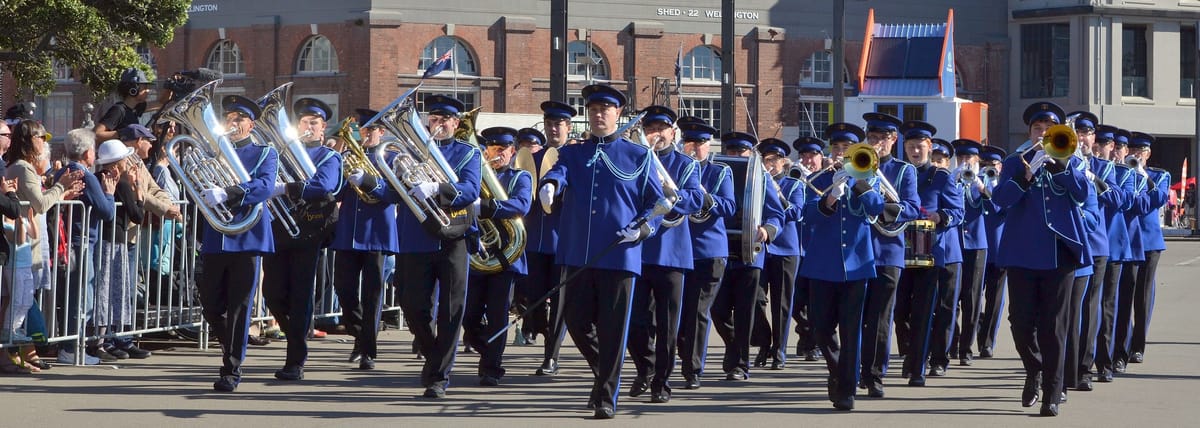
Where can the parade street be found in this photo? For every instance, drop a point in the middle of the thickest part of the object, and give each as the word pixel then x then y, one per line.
pixel 173 388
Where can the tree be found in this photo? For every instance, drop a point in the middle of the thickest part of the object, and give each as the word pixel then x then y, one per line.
pixel 96 38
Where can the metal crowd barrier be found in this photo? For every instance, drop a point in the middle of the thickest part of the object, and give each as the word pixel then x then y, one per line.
pixel 162 256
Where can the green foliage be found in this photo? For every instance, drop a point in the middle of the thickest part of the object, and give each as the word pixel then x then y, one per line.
pixel 96 38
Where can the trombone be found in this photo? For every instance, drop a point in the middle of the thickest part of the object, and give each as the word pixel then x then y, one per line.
pixel 1060 142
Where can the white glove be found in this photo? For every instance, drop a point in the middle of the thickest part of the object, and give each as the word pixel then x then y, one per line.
pixel 1040 159
pixel 356 177
pixel 214 196
pixel 546 196
pixel 629 233
pixel 1141 169
pixel 424 190
pixel 1090 175
pixel 974 168
pixel 280 188
pixel 841 176
pixel 837 191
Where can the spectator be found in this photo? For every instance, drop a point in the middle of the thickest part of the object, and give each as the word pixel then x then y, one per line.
pixel 115 285
pixel 133 89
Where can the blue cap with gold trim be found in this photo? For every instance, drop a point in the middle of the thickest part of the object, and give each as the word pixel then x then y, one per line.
pixel 444 105
pixel 241 105
pixel 738 140
pixel 918 129
pixel 530 134
pixel 1043 110
pixel 844 132
pixel 774 146
pixel 557 110
pixel 881 122
pixel 808 145
pixel 312 107
pixel 603 93
pixel 499 136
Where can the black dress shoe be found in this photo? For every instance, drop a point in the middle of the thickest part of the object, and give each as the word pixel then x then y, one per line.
pixel 548 368
pixel 763 354
pixel 489 381
pixel 258 341
pixel 812 355
pixel 845 404
pixel 136 353
pixel 366 363
pixel 290 372
pixel 692 382
pixel 435 391
pixel 905 373
pixel 778 365
pixel 1119 366
pixel 1105 376
pixel 1049 409
pixel 604 412
pixel 737 374
pixel 916 381
pixel 1030 394
pixel 640 385
pixel 875 391
pixel 1137 357
pixel 355 354
pixel 966 360
pixel 985 353
pixel 119 353
pixel 225 384
pixel 1085 383
pixel 938 371
pixel 1062 397
pixel 530 339
pixel 660 397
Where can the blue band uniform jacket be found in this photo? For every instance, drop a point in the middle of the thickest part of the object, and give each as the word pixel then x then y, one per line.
pixel 672 247
pixel 1152 236
pixel 939 193
pixel 1140 204
pixel 709 240
pixel 788 241
pixel 368 227
pixel 889 250
pixel 1041 213
pixel 846 229
pixel 541 228
pixel 1113 205
pixel 974 228
pixel 454 198
pixel 519 186
pixel 604 186
pixel 260 162
pixel 772 221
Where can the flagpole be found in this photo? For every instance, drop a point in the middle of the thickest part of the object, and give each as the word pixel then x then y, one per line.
pixel 453 70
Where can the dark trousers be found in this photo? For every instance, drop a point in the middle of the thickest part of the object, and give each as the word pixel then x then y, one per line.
pixel 1106 336
pixel 944 310
pixel 654 323
pixel 804 338
pixel 994 286
pixel 1089 324
pixel 1143 302
pixel 358 280
pixel 915 297
pixel 226 282
pixel 699 290
pixel 880 301
pixel 434 283
pixel 969 302
pixel 289 281
pixel 1079 287
pixel 546 318
pixel 780 278
pixel 1038 316
pixel 838 305
pixel 488 297
pixel 597 304
pixel 1125 302
pixel 733 315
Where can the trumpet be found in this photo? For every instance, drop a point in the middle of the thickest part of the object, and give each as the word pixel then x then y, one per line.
pixel 990 172
pixel 1133 161
pixel 860 162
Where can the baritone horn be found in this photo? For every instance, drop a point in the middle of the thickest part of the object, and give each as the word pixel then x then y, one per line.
pixel 502 241
pixel 203 158
pixel 354 158
pixel 275 128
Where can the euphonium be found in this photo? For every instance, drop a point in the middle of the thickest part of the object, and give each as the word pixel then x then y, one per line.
pixel 275 128
pixel 203 158
pixel 502 241
pixel 354 158
pixel 417 159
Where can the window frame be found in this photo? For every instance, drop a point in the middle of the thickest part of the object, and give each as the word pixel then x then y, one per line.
pixel 1129 83
pixel 810 117
pixel 687 107
pixel 1053 61
pixel 688 72
pixel 309 49
pixel 431 52
pixel 599 71
pixel 235 51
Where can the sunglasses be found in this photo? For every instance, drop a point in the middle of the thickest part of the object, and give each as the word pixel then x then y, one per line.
pixel 6 135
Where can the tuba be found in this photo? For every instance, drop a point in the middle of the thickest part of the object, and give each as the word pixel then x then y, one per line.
pixel 275 128
pixel 417 161
pixel 203 158
pixel 502 241
pixel 354 158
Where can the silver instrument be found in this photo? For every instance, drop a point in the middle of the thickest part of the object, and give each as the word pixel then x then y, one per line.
pixel 203 158
pixel 670 189
pixel 274 127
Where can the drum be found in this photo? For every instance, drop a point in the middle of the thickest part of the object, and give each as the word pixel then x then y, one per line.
pixel 918 244
pixel 748 189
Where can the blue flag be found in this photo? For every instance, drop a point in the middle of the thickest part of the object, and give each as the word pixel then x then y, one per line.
pixel 439 65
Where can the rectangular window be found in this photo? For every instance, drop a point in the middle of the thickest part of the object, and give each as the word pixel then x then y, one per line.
pixel 903 111
pixel 814 118
pixel 468 97
pixel 1134 67
pixel 1187 62
pixel 1045 60
pixel 705 108
pixel 56 114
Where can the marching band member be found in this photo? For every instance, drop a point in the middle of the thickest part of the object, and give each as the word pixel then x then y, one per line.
pixel 364 234
pixel 1044 242
pixel 541 247
pixel 228 270
pixel 1111 142
pixel 489 295
pixel 607 186
pixel 977 200
pixel 1140 290
pixel 925 298
pixel 995 276
pixel 839 261
pixel 811 151
pixel 666 257
pixel 710 250
pixel 432 262
pixel 289 274
pixel 783 253
pixel 530 139
pixel 733 306
pixel 880 299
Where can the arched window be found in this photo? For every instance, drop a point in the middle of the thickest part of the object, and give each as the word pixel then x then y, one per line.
pixel 226 57
pixel 586 62
pixel 62 71
pixel 461 61
pixel 317 56
pixel 702 63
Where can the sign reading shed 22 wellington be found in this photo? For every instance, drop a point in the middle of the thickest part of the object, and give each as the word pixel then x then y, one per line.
pixel 706 13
